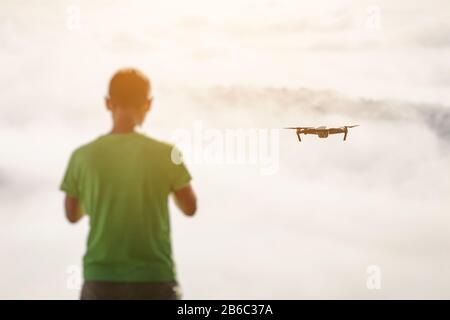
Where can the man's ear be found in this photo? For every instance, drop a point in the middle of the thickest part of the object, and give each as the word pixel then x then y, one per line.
pixel 148 105
pixel 108 103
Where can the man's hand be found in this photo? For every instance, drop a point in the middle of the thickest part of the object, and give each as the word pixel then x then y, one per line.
pixel 186 200
pixel 73 209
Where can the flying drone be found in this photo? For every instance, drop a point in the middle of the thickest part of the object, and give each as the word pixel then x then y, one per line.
pixel 322 132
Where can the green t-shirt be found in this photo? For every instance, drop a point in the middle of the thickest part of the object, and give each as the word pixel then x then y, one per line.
pixel 123 182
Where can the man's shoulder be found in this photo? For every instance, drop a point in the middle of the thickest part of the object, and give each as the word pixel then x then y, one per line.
pixel 163 146
pixel 85 147
pixel 167 152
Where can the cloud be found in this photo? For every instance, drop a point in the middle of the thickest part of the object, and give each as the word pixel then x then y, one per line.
pixel 434 37
pixel 321 103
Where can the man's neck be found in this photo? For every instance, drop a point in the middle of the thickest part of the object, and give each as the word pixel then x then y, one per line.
pixel 118 129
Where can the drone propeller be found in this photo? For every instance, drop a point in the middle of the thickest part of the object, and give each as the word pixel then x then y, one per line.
pixel 356 125
pixel 298 128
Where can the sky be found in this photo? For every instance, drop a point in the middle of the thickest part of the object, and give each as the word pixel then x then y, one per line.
pixel 311 228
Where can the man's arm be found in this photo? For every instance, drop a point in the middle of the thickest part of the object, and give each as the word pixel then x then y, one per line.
pixel 73 209
pixel 186 200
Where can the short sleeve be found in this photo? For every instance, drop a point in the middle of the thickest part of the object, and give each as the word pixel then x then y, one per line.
pixel 180 174
pixel 70 181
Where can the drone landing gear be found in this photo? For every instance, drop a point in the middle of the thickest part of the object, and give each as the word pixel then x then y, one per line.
pixel 298 135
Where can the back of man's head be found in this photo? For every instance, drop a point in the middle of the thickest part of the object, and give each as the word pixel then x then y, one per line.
pixel 129 88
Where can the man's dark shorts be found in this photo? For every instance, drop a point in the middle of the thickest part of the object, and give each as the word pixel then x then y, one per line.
pixel 105 290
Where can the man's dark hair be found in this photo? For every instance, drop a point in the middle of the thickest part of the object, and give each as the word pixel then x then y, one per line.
pixel 129 87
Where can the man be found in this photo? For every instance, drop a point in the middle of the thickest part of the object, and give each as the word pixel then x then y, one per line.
pixel 122 181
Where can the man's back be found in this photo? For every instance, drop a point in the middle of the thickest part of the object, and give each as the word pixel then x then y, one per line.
pixel 123 182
